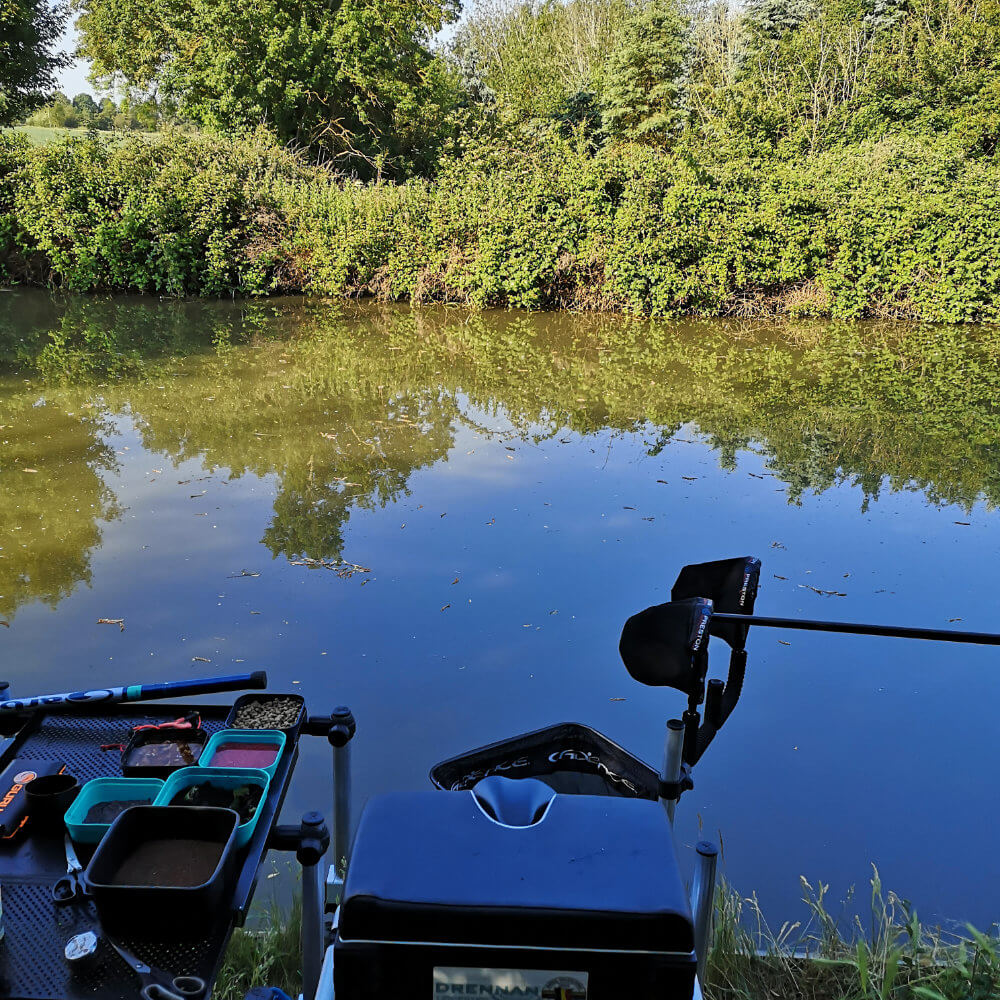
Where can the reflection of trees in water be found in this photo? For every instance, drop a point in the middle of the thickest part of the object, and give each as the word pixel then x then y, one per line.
pixel 49 517
pixel 880 406
pixel 343 404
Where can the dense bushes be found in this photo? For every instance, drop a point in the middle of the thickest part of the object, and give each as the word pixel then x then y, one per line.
pixel 903 226
pixel 173 217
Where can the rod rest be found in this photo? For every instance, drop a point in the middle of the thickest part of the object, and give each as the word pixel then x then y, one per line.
pixel 338 727
pixel 309 840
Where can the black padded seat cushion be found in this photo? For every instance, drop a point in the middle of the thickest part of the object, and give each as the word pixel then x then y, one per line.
pixel 596 872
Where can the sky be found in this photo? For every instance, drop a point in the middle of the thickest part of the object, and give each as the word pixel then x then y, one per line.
pixel 73 79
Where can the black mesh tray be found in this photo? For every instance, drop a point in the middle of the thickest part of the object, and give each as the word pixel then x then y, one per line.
pixel 32 966
pixel 572 759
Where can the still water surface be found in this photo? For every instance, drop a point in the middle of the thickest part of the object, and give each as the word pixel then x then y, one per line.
pixel 443 521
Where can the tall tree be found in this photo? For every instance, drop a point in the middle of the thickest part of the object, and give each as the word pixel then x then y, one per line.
pixel 86 109
pixel 29 30
pixel 775 18
pixel 536 55
pixel 642 91
pixel 354 78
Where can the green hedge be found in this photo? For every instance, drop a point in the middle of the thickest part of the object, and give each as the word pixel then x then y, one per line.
pixel 902 227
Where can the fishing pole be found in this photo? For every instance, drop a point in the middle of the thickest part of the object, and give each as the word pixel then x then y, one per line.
pixel 893 631
pixel 135 692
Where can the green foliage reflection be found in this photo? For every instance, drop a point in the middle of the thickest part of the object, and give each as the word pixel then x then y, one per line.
pixel 342 404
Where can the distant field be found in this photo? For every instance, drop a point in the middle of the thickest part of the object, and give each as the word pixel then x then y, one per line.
pixel 40 136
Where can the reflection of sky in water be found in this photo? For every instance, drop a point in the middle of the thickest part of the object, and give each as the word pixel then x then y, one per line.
pixel 497 592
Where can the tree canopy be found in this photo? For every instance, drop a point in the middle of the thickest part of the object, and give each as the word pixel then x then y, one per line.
pixel 355 79
pixel 29 30
pixel 642 92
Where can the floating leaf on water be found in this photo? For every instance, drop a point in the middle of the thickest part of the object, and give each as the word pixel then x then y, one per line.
pixel 665 483
pixel 344 570
pixel 120 622
pixel 453 582
pixel 444 607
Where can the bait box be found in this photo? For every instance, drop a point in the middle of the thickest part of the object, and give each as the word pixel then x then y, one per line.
pixel 292 731
pixel 266 737
pixel 442 900
pixel 105 790
pixel 195 737
pixel 179 911
pixel 221 777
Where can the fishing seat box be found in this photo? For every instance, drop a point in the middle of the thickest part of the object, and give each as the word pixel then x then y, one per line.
pixel 441 900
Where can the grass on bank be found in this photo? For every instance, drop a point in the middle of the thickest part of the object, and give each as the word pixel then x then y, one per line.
pixel 268 955
pixel 889 956
pixel 41 135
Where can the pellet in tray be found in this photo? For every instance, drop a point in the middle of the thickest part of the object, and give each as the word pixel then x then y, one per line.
pixel 270 713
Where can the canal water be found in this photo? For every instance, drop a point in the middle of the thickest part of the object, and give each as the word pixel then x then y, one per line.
pixel 443 520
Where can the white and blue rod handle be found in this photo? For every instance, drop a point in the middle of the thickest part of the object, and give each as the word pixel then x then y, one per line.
pixel 135 692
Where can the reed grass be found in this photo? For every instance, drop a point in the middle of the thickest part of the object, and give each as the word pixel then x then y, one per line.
pixel 887 955
pixel 265 954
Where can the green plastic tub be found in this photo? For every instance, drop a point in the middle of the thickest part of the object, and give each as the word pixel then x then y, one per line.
pixel 226 777
pixel 106 790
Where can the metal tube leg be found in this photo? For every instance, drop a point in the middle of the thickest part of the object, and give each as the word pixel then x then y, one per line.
pixel 673 752
pixel 703 902
pixel 313 904
pixel 341 807
pixel 342 730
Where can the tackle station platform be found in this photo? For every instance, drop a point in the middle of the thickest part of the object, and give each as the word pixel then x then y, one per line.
pixel 543 865
pixel 37 928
